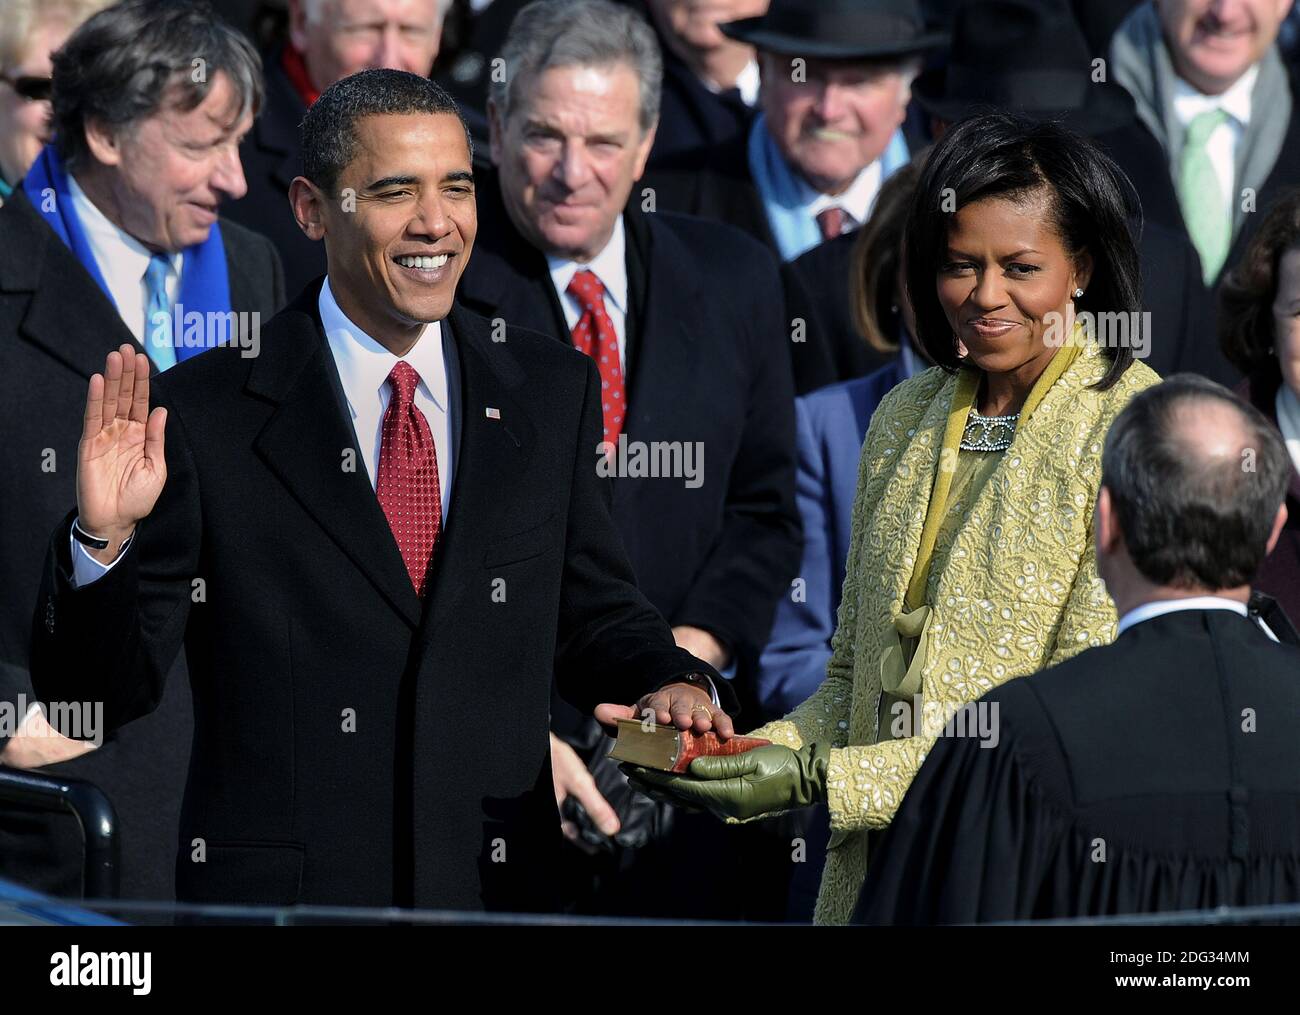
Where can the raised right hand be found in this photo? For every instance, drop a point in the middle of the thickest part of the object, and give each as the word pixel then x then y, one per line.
pixel 120 465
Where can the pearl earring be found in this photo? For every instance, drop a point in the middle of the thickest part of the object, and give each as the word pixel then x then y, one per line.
pixel 1078 293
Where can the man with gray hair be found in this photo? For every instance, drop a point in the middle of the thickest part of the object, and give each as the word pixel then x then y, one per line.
pixel 835 83
pixel 685 321
pixel 1159 773
pixel 328 40
pixel 113 237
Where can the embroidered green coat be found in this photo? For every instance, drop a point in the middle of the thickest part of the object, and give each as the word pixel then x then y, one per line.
pixel 1017 592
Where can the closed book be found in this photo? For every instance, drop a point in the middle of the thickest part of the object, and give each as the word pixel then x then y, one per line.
pixel 672 750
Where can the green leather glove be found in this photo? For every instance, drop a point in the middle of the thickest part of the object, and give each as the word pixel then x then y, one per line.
pixel 762 781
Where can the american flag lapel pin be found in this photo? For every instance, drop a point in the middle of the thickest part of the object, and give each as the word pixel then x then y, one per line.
pixel 492 413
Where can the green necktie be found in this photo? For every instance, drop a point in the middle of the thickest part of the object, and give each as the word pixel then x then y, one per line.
pixel 1208 218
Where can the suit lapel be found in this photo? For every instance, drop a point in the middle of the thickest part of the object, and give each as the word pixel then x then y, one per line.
pixel 305 444
pixel 64 296
pixel 666 350
pixel 490 450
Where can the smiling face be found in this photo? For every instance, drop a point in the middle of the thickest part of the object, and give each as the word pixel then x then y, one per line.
pixel 339 38
pixel 836 120
pixel 1286 318
pixel 1214 42
pixel 400 226
pixel 568 156
pixel 1005 271
pixel 166 175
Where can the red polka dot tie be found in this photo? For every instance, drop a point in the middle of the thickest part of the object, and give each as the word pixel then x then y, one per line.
pixel 594 334
pixel 407 477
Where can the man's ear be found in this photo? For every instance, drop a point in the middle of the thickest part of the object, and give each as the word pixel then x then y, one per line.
pixel 308 205
pixel 644 146
pixel 1279 520
pixel 102 142
pixel 1107 528
pixel 298 25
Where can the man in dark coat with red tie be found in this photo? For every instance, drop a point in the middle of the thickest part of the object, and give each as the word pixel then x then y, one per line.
pixel 402 536
pixel 684 319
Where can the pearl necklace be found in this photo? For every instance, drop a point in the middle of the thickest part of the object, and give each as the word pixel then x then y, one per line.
pixel 988 433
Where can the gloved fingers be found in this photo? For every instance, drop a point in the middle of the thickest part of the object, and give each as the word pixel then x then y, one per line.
pixel 725 766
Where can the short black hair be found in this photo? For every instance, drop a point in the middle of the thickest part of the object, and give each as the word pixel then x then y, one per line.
pixel 1001 154
pixel 1189 522
pixel 328 131
pixel 121 65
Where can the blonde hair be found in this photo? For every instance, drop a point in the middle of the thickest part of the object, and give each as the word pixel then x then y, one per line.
pixel 23 17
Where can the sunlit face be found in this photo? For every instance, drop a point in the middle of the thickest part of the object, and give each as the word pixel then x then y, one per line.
pixel 342 37
pixel 1005 272
pixel 408 193
pixel 569 154
pixel 25 124
pixel 172 170
pixel 695 22
pixel 830 119
pixel 1214 42
pixel 1286 318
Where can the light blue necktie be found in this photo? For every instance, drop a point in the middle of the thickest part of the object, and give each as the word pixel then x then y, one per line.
pixel 158 335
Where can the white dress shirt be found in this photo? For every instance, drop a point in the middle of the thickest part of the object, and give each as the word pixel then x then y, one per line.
pixel 610 266
pixel 747 83
pixel 1222 145
pixel 363 366
pixel 1288 421
pixel 857 200
pixel 1160 607
pixel 122 260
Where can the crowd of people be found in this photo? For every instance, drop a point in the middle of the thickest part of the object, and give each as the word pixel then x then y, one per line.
pixel 404 391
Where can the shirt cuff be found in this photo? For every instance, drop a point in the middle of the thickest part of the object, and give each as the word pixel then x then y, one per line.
pixel 86 570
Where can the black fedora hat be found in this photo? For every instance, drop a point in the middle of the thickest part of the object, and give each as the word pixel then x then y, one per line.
pixel 838 29
pixel 1028 56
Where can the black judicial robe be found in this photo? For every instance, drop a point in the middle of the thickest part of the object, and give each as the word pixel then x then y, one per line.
pixel 1129 779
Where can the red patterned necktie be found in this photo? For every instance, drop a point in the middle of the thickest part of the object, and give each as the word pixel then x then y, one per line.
pixel 831 221
pixel 406 480
pixel 595 324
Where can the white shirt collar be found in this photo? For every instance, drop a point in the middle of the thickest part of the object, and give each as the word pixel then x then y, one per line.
pixel 1236 101
pixel 747 82
pixel 610 266
pixel 1162 606
pixel 364 364
pixel 115 250
pixel 856 200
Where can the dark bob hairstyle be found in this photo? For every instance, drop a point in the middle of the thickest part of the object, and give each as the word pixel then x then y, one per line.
pixel 1246 329
pixel 999 154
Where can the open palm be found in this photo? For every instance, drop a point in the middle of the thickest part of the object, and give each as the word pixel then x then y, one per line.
pixel 120 465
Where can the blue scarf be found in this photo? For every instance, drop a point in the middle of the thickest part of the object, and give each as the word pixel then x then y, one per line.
pixel 794 229
pixel 205 281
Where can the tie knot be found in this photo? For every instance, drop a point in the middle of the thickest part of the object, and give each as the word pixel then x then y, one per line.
pixel 1203 125
pixel 585 287
pixel 404 381
pixel 155 274
pixel 831 221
